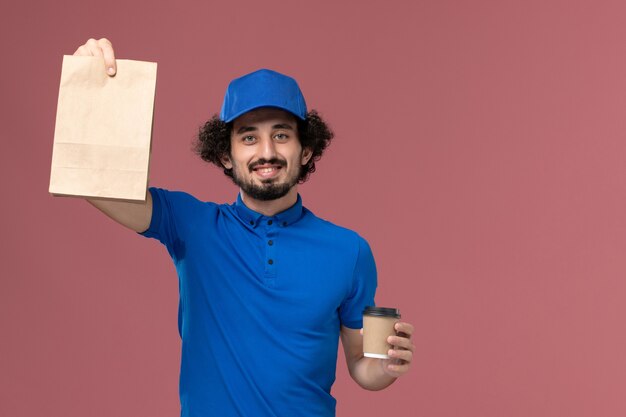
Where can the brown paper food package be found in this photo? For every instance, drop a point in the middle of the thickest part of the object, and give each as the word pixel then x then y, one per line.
pixel 103 129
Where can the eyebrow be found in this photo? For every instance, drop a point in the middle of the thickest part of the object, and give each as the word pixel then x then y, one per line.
pixel 283 126
pixel 244 129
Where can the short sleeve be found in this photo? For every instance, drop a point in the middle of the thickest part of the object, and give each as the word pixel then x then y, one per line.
pixel 162 225
pixel 363 288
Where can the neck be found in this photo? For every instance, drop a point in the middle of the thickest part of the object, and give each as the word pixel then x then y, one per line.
pixel 271 207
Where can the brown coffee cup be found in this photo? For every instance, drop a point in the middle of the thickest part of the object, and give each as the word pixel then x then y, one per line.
pixel 378 325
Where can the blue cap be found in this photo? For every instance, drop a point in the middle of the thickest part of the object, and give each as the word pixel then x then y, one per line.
pixel 262 88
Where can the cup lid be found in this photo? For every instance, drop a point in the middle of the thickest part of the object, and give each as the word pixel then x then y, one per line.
pixel 382 311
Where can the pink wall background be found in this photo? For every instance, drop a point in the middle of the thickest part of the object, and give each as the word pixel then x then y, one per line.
pixel 480 149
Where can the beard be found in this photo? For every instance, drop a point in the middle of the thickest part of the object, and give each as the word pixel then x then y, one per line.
pixel 269 189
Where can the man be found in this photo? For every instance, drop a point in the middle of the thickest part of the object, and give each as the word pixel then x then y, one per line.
pixel 266 287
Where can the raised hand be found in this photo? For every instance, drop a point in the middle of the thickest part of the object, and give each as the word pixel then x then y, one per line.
pixel 101 47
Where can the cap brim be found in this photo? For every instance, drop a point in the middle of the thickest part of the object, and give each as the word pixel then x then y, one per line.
pixel 246 110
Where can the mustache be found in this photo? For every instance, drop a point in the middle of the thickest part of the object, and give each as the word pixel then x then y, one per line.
pixel 274 161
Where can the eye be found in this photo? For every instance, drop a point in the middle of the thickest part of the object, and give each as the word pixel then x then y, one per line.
pixel 281 136
pixel 248 139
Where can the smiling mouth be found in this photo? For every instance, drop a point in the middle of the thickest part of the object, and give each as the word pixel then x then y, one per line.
pixel 267 171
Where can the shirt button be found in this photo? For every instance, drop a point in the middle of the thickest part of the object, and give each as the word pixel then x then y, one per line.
pixel 284 223
pixel 270 242
pixel 271 262
pixel 270 222
pixel 251 223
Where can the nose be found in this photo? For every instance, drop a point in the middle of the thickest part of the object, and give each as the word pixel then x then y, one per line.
pixel 268 149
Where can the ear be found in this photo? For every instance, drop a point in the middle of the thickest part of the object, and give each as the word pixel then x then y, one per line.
pixel 307 153
pixel 225 160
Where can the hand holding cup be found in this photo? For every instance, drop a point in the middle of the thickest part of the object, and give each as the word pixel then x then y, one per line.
pixel 387 338
pixel 401 355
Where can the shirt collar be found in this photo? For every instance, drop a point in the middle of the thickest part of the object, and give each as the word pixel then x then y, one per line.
pixel 284 218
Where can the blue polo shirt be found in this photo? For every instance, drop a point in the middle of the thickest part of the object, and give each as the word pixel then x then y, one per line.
pixel 261 303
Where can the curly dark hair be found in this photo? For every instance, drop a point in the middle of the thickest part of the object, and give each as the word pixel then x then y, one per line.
pixel 213 141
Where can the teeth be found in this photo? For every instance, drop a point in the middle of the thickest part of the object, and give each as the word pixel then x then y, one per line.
pixel 266 170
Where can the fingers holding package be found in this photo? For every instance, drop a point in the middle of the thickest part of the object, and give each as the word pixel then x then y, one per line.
pixel 101 47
